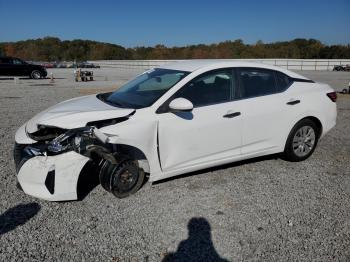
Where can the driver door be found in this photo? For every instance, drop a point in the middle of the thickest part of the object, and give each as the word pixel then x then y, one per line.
pixel 209 134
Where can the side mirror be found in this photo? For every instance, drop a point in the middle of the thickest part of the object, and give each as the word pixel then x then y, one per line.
pixel 181 104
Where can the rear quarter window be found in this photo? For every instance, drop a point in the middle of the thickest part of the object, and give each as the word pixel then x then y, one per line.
pixel 283 81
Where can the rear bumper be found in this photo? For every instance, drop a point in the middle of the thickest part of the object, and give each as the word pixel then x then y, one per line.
pixel 328 126
pixel 330 119
pixel 53 178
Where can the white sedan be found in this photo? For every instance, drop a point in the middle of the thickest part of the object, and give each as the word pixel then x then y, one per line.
pixel 171 120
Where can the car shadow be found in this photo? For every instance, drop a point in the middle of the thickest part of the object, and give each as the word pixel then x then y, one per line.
pixel 198 246
pixel 89 178
pixel 12 78
pixel 53 78
pixel 17 216
pixel 221 167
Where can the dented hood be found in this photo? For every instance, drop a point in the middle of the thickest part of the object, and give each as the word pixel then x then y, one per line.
pixel 76 112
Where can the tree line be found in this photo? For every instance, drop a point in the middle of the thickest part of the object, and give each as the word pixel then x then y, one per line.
pixel 54 49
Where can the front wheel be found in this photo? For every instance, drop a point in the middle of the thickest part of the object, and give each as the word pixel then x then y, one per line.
pixel 122 179
pixel 301 141
pixel 36 74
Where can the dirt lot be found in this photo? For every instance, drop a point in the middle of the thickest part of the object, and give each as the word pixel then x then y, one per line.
pixel 264 209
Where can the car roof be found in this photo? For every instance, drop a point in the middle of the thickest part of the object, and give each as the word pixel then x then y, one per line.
pixel 10 57
pixel 196 64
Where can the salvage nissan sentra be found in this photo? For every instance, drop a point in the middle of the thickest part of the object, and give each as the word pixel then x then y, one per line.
pixel 179 118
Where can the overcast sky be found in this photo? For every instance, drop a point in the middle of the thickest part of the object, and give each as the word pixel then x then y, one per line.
pixel 176 22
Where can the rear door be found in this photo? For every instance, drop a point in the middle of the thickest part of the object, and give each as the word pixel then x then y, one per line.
pixel 208 134
pixel 264 111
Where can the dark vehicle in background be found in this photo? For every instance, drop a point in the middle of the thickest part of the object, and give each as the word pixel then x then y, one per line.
pixel 12 66
pixel 87 65
pixel 341 68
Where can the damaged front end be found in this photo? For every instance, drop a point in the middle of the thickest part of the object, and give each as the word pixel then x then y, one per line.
pixel 49 168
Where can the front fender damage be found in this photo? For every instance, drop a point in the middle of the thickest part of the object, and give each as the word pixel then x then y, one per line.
pixel 50 169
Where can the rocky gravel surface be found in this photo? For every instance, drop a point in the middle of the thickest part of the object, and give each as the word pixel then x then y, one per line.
pixel 264 209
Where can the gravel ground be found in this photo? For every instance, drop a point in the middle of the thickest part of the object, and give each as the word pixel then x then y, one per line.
pixel 264 209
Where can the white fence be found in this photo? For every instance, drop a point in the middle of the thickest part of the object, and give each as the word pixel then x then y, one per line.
pixel 292 64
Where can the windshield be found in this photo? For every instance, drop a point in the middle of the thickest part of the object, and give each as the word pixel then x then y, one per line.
pixel 145 89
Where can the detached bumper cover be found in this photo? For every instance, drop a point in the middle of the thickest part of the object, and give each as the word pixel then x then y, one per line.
pixel 52 178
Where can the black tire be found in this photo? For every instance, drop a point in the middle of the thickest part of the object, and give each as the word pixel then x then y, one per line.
pixel 123 179
pixel 105 177
pixel 289 153
pixel 36 74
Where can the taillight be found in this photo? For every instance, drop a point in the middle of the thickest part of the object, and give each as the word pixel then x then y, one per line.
pixel 332 96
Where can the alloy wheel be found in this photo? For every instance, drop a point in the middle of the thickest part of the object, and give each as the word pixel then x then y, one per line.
pixel 304 141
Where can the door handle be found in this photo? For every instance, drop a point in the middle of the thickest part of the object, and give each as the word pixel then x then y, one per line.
pixel 231 115
pixel 294 102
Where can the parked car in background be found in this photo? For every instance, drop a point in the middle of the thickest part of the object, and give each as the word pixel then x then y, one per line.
pixel 61 65
pixel 87 65
pixel 338 68
pixel 171 120
pixel 341 68
pixel 12 66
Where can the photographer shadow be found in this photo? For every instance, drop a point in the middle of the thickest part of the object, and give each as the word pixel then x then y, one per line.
pixel 198 246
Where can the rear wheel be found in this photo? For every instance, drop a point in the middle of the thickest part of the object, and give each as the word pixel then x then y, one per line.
pixel 123 179
pixel 301 141
pixel 36 74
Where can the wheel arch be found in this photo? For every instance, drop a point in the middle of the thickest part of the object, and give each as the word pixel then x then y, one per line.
pixel 315 119
pixel 88 177
pixel 134 153
pixel 140 136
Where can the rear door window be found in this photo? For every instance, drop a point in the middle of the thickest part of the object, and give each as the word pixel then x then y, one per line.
pixel 256 82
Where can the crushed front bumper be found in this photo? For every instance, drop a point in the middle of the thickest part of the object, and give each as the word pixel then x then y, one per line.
pixel 53 178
